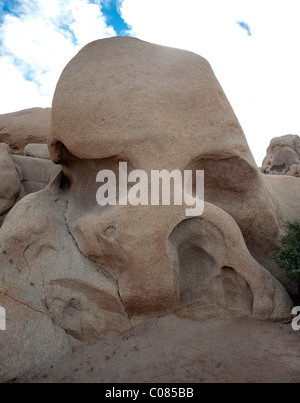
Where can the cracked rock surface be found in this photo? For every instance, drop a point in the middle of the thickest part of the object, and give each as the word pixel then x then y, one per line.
pixel 73 270
pixel 53 294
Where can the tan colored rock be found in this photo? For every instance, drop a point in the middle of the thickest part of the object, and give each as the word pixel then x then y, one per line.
pixel 21 176
pixel 37 151
pixel 97 268
pixel 183 131
pixel 31 340
pixel 54 283
pixel 188 113
pixel 37 173
pixel 283 156
pixel 18 129
pixel 130 78
pixel 10 183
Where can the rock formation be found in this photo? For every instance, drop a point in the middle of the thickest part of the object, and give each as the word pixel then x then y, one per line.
pixel 10 182
pixel 37 151
pixel 18 129
pixel 84 269
pixel 283 156
pixel 22 175
pixel 36 173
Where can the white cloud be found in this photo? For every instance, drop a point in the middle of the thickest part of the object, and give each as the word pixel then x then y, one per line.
pixel 16 92
pixel 259 73
pixel 39 43
pixel 89 24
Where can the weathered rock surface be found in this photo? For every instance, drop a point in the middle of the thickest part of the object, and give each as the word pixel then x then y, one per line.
pixel 10 183
pixel 31 340
pixel 95 268
pixel 20 175
pixel 283 156
pixel 192 126
pixel 24 127
pixel 37 173
pixel 37 151
pixel 44 274
pixel 130 78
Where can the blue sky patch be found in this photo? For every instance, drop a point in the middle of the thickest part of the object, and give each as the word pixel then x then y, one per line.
pixel 245 26
pixel 110 9
pixel 68 33
pixel 8 6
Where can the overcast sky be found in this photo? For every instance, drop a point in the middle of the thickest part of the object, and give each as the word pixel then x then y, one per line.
pixel 252 46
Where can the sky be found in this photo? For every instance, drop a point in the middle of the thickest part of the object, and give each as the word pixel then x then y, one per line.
pixel 252 46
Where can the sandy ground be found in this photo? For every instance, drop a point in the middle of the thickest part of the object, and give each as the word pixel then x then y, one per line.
pixel 178 350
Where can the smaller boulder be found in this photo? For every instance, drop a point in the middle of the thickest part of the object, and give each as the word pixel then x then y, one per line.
pixel 283 156
pixel 24 127
pixel 37 173
pixel 10 182
pixel 37 151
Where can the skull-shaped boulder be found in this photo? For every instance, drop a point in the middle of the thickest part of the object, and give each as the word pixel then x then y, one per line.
pixel 99 268
pixel 157 108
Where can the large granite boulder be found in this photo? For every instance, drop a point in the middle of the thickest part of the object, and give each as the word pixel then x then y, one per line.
pixel 93 268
